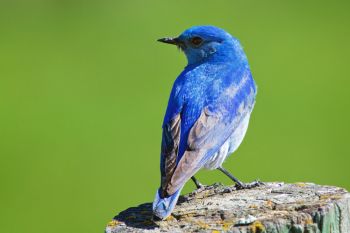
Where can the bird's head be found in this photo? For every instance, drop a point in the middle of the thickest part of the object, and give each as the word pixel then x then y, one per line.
pixel 206 43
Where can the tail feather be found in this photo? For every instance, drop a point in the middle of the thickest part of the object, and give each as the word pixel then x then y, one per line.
pixel 162 207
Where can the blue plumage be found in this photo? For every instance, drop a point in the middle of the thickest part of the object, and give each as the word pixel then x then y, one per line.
pixel 208 110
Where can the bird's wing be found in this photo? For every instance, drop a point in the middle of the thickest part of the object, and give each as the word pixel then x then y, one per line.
pixel 169 150
pixel 216 123
pixel 206 136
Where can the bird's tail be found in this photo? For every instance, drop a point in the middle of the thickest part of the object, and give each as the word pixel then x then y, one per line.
pixel 162 207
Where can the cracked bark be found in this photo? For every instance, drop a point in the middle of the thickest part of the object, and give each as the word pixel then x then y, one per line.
pixel 273 208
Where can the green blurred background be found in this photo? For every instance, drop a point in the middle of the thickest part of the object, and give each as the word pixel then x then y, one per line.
pixel 84 86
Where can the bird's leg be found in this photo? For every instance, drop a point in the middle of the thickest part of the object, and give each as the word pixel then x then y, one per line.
pixel 227 173
pixel 239 184
pixel 197 183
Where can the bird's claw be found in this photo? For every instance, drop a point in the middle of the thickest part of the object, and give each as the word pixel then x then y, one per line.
pixel 201 188
pixel 254 184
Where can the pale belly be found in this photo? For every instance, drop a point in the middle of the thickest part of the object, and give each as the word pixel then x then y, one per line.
pixel 231 144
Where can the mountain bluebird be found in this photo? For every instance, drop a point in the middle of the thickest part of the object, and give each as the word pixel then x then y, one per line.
pixel 208 111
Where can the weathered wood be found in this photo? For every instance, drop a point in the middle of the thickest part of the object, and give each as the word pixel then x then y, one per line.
pixel 275 208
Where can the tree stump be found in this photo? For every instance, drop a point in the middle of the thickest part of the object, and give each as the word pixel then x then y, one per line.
pixel 271 208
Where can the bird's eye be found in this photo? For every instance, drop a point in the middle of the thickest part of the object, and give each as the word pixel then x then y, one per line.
pixel 196 40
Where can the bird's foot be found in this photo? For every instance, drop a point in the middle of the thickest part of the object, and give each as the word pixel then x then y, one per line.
pixel 198 184
pixel 201 188
pixel 254 184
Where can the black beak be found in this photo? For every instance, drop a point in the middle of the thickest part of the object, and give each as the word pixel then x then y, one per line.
pixel 170 40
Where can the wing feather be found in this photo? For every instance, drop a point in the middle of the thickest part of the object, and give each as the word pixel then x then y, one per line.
pixel 169 150
pixel 207 135
pixel 202 141
pixel 216 122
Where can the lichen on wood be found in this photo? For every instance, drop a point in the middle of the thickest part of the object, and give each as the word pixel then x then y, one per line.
pixel 271 208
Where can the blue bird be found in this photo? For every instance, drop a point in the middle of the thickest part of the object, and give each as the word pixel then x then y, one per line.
pixel 208 111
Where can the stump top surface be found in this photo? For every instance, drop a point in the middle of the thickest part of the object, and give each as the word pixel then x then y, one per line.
pixel 274 207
